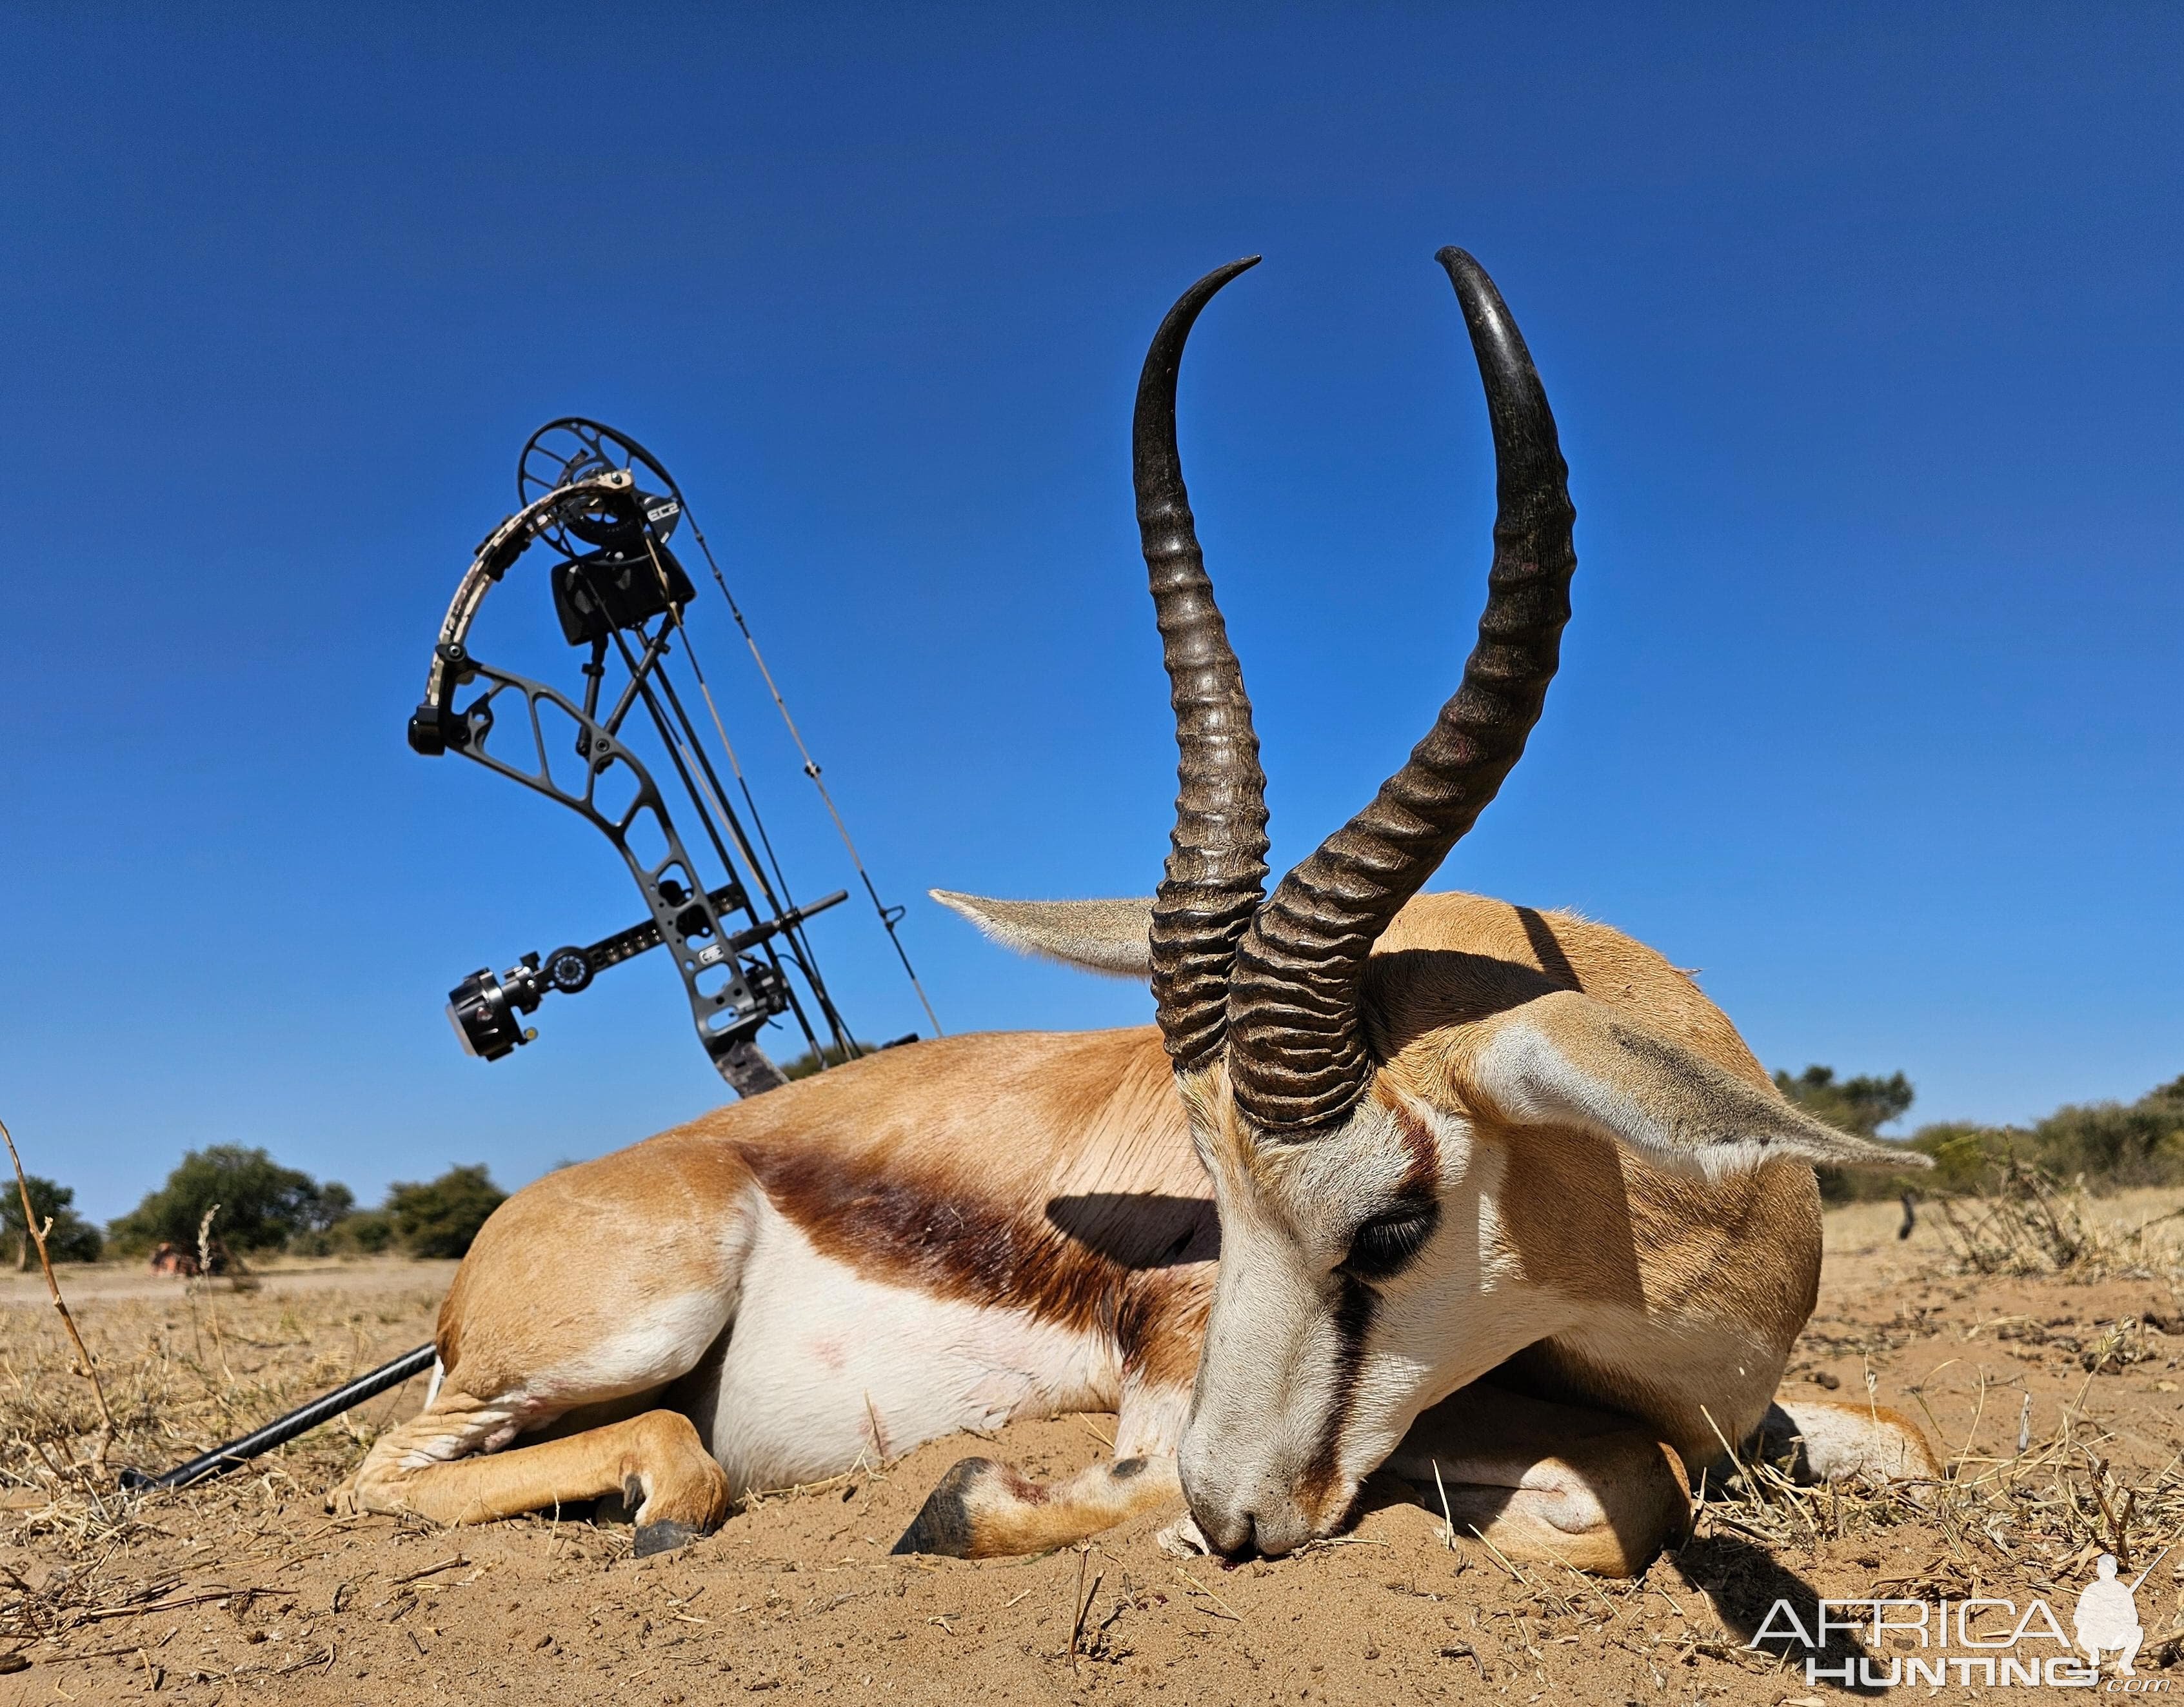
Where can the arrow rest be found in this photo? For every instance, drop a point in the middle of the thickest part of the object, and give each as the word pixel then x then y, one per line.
pixel 606 509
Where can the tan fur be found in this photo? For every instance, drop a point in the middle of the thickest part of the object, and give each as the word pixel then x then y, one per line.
pixel 572 1258
pixel 1046 1172
pixel 1583 1218
pixel 1553 1482
pixel 1053 1176
pixel 655 1457
pixel 1745 1249
pixel 999 1515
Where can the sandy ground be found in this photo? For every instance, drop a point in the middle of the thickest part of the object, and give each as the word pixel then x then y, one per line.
pixel 244 1589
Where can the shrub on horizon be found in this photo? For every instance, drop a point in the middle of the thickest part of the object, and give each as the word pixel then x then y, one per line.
pixel 363 1233
pixel 441 1218
pixel 2111 1146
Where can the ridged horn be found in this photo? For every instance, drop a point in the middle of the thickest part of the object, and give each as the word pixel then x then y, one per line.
pixel 1217 861
pixel 1297 1052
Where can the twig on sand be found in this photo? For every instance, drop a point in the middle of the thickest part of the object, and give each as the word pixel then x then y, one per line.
pixel 1500 1558
pixel 1077 1600
pixel 97 1613
pixel 1227 1610
pixel 431 1570
pixel 102 1442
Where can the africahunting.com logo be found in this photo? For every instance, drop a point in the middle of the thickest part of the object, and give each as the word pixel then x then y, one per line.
pixel 1981 1641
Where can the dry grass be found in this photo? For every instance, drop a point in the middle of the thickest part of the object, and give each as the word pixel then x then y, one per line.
pixel 2040 1379
pixel 2030 1222
pixel 182 1372
pixel 2052 1505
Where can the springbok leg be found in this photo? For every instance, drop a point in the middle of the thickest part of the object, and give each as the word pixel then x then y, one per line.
pixel 1828 1440
pixel 1547 1482
pixel 594 1287
pixel 430 1466
pixel 982 1509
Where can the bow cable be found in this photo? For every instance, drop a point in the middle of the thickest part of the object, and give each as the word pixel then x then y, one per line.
pixel 889 917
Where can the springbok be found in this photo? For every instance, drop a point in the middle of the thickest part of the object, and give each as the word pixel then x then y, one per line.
pixel 1453 1187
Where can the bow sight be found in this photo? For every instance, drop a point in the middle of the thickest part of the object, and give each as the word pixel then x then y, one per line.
pixel 606 510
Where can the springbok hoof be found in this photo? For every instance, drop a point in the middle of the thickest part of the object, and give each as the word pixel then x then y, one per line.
pixel 663 1536
pixel 943 1524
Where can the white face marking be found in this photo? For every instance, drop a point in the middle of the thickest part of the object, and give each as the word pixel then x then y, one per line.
pixel 818 1354
pixel 1311 1374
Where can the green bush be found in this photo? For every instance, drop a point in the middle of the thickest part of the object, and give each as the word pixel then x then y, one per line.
pixel 2111 1145
pixel 2116 1144
pixel 265 1207
pixel 365 1233
pixel 71 1239
pixel 440 1220
pixel 262 1204
pixel 818 1060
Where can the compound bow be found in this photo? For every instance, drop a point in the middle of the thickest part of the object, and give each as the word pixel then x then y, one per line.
pixel 618 590
pixel 606 508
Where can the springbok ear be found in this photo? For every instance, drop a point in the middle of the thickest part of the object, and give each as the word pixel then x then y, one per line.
pixel 1103 936
pixel 1566 1060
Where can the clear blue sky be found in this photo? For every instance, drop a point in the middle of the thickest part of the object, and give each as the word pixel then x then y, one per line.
pixel 1861 325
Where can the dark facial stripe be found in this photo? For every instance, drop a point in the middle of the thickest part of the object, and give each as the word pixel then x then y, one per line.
pixel 1353 1320
pixel 1359 1302
pixel 1423 1174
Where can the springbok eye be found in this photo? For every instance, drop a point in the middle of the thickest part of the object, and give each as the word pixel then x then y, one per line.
pixel 1383 1246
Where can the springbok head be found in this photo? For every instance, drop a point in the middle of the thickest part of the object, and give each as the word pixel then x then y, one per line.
pixel 1355 1116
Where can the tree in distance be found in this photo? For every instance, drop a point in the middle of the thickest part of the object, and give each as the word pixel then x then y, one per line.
pixel 441 1218
pixel 71 1239
pixel 262 1204
pixel 1863 1106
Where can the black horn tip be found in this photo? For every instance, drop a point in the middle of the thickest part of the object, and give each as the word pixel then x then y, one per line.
pixel 1503 360
pixel 1473 281
pixel 1157 476
pixel 1168 342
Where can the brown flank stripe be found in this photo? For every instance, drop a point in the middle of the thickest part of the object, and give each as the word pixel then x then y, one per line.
pixel 1135 1267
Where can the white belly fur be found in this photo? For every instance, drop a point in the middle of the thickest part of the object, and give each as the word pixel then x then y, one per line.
pixel 818 1354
